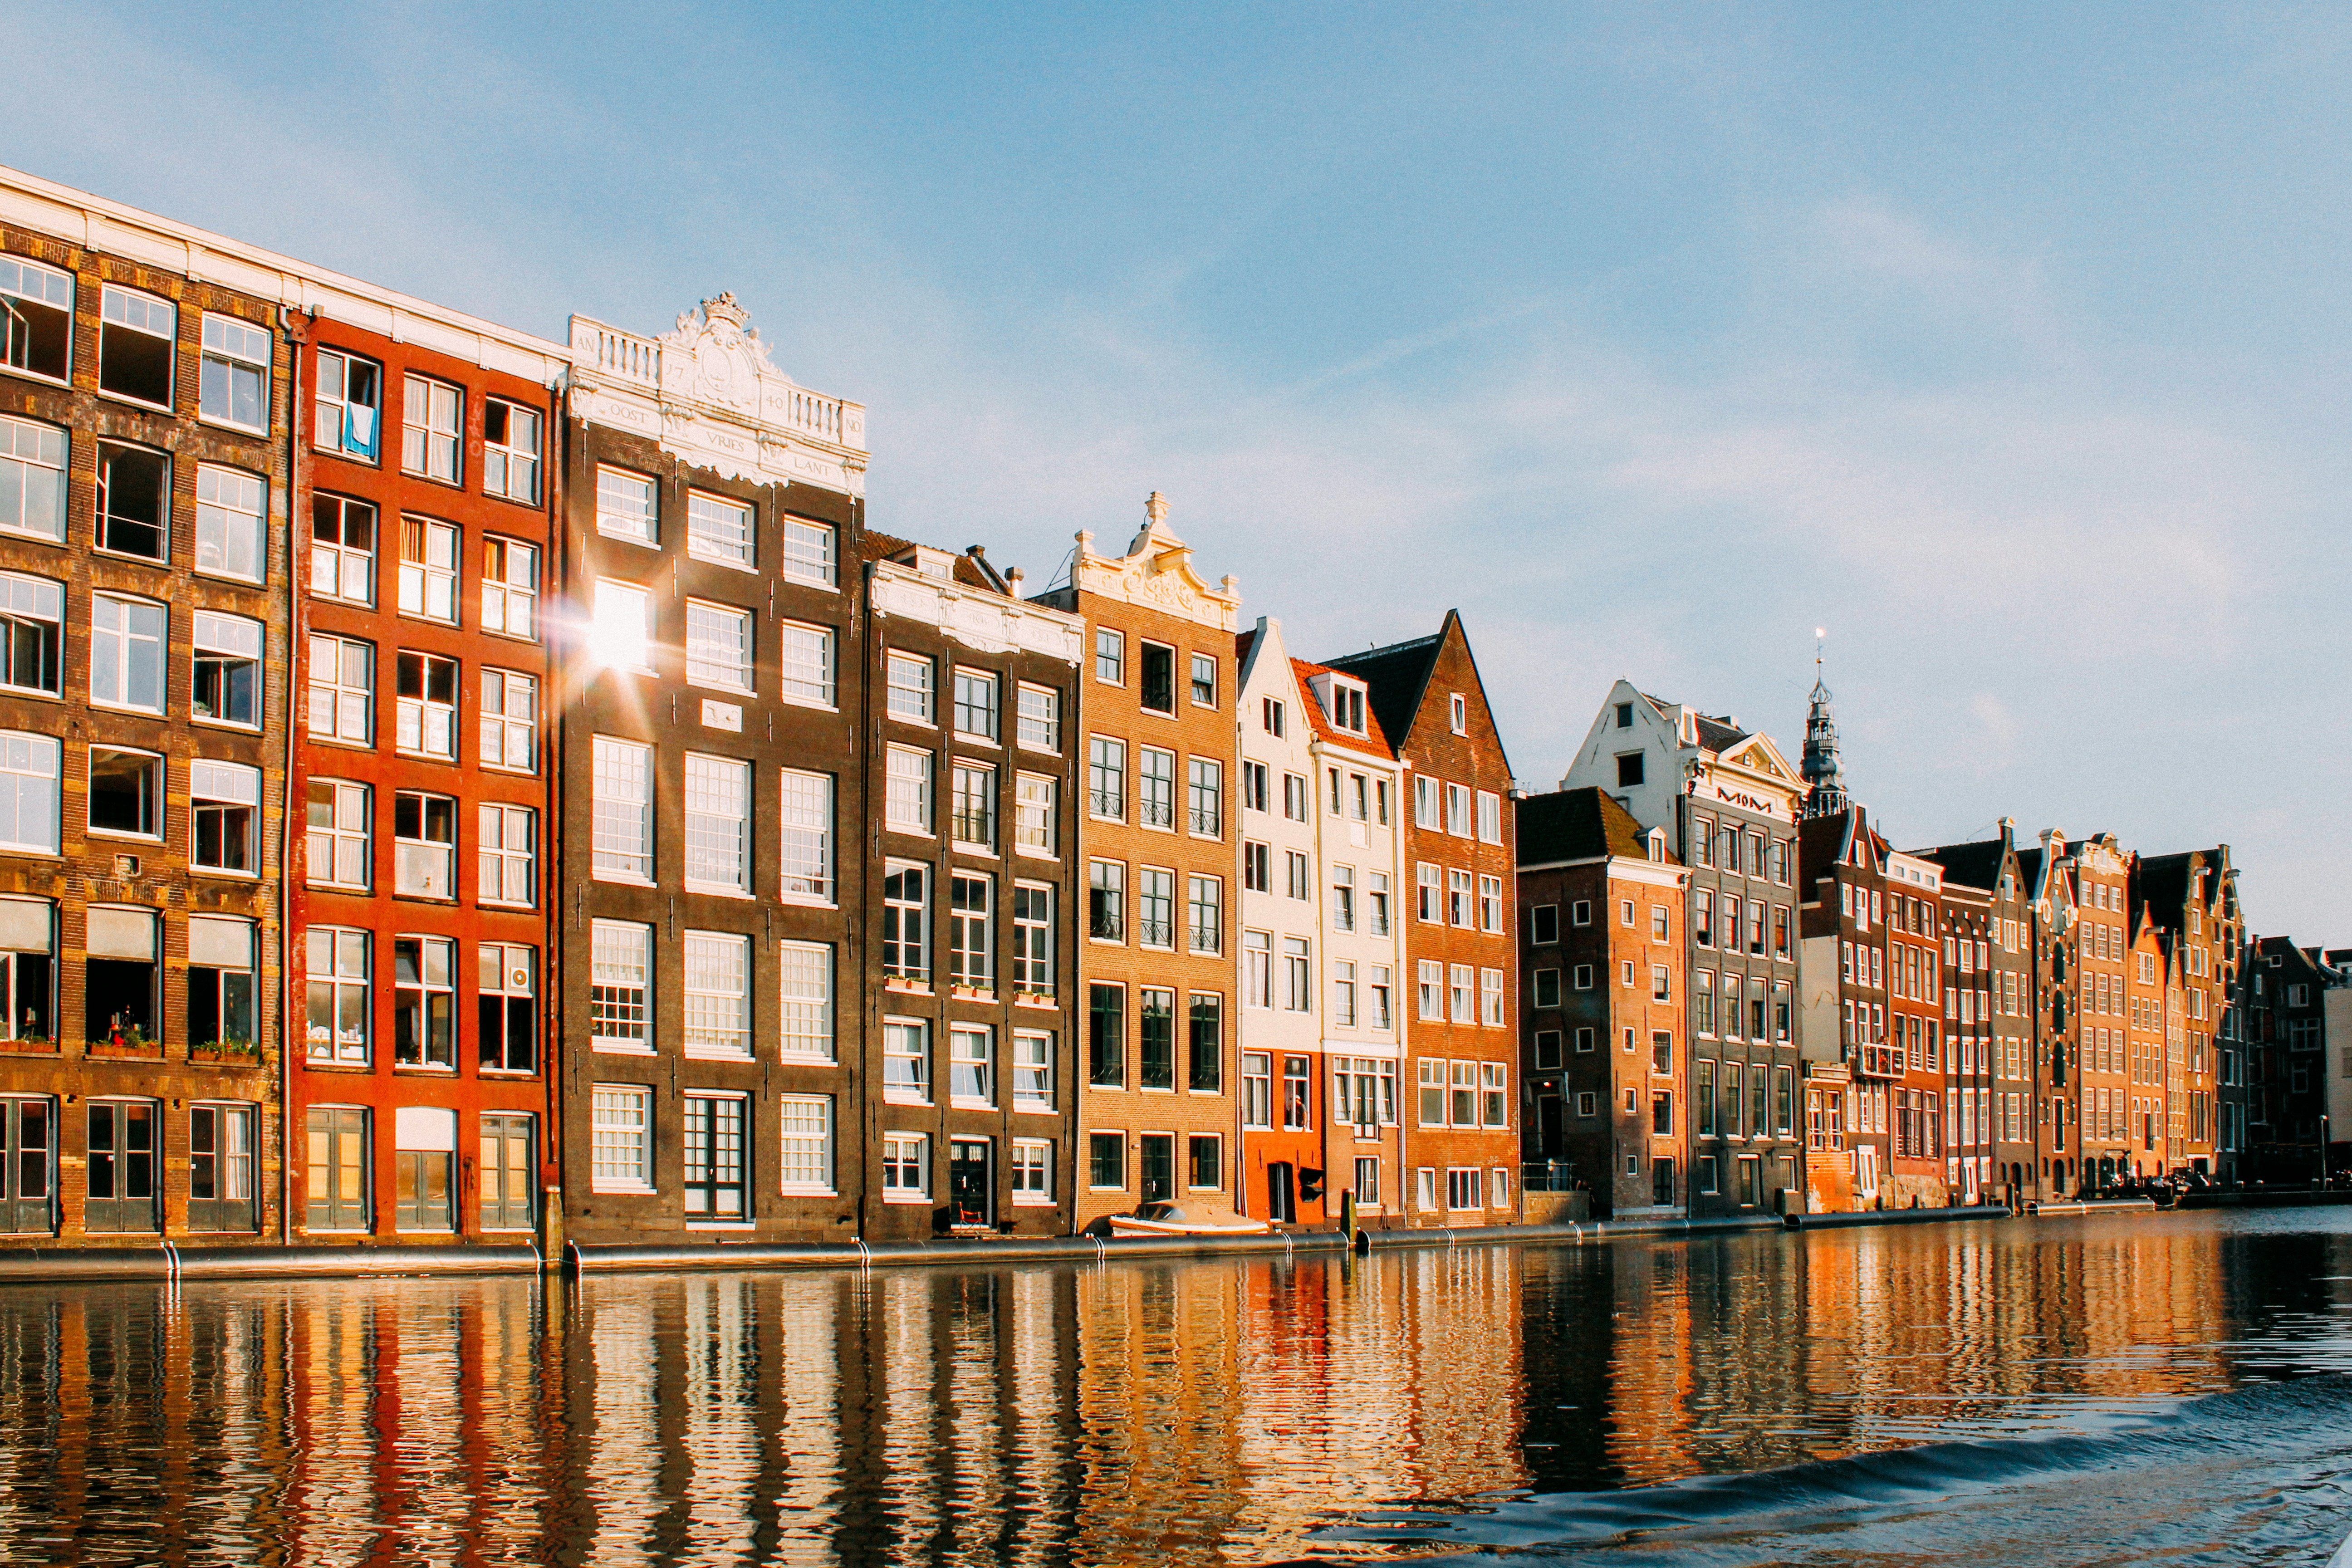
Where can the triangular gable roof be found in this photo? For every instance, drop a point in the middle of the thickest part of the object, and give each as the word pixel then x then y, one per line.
pixel 1374 742
pixel 1758 752
pixel 1398 676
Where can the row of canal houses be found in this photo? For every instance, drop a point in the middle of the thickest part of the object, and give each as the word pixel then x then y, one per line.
pixel 457 787
pixel 461 787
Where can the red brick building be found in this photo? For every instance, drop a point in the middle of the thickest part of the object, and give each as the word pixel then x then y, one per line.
pixel 422 888
pixel 1461 1138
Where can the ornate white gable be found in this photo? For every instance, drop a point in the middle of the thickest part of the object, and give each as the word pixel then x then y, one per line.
pixel 1157 573
pixel 707 392
pixel 980 620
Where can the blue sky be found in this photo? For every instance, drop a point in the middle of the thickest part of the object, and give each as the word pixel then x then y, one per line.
pixel 2008 343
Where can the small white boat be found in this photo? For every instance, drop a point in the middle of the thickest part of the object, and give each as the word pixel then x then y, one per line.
pixel 1172 1219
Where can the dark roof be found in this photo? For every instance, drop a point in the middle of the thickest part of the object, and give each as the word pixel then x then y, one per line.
pixel 1397 676
pixel 1719 737
pixel 1579 825
pixel 1976 865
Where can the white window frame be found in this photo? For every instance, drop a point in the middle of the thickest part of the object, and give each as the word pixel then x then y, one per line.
pixel 911 681
pixel 33 461
pixel 623 521
pixel 1037 721
pixel 621 1138
pixel 509 588
pixel 621 774
pixel 1032 1156
pixel 432 429
pixel 900 1150
pixel 621 958
pixel 499 864
pixel 503 731
pixel 716 824
pixel 812 551
pixel 805 838
pixel 342 699
pixel 232 519
pixel 799 1145
pixel 907 790
pixel 715 981
pixel 723 529
pixel 621 634
pixel 125 644
pixel 805 662
pixel 1033 1072
pixel 805 1018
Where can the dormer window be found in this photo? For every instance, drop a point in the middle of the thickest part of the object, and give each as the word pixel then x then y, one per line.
pixel 1348 708
pixel 1657 838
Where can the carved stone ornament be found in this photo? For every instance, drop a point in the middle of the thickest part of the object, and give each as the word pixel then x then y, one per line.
pixel 722 356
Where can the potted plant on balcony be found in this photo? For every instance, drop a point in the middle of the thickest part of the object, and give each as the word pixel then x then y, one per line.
pixel 125 1038
pixel 228 1053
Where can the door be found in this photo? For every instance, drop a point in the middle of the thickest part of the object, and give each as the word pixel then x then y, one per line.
pixel 1661 1183
pixel 1158 1167
pixel 121 1166
pixel 713 1138
pixel 337 1185
pixel 971 1192
pixel 507 1173
pixel 27 1146
pixel 220 1167
pixel 1281 1195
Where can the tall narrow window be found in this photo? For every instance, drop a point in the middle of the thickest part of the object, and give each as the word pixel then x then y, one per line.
pixel 224 802
pixel 337 1163
pixel 718 824
pixel 1033 828
pixel 509 721
pixel 221 1144
pixel 971 919
pixel 1297 974
pixel 32 633
pixel 718 971
pixel 805 653
pixel 230 506
pixel 135 337
pixel 1205 914
pixel 423 844
pixel 336 852
pixel 511 588
pixel 134 501
pixel 911 679
pixel 431 441
pixel 1159 685
pixel 510 452
pixel 507 993
pixel 806 823
pixel 508 1172
pixel 1033 940
pixel 1155 907
pixel 508 864
pixel 1033 1072
pixel 233 386
pixel 976 704
pixel 1155 1021
pixel 905 921
pixel 337 964
pixel 907 790
pixel 126 653
pixel 348 416
pixel 36 306
pixel 1107 1036
pixel 622 813
pixel 809 551
pixel 905 1061
pixel 626 507
pixel 342 690
pixel 1155 788
pixel 220 985
pixel 225 687
pixel 428 569
pixel 972 1066
pixel 718 645
pixel 1041 718
pixel 807 984
pixel 1106 778
pixel 620 986
pixel 32 476
pixel 425 710
pixel 1207 1042
pixel 1107 901
pixel 1204 679
pixel 974 816
pixel 423 1001
pixel 1205 811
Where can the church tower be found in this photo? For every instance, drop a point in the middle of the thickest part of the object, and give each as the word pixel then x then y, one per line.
pixel 1819 768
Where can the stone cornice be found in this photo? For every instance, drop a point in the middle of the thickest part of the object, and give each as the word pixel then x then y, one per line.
pixel 981 620
pixel 1156 574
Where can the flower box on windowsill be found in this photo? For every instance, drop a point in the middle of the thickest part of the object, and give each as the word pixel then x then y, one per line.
pixel 32 1046
pixel 131 1048
pixel 226 1053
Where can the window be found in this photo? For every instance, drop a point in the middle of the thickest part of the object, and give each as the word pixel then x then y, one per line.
pixel 510 721
pixel 808 551
pixel 349 407
pixel 1155 1017
pixel 510 453
pixel 336 851
pixel 1343 993
pixel 224 802
pixel 32 613
pixel 807 1150
pixel 905 921
pixel 126 643
pixel 625 508
pixel 336 962
pixel 1377 896
pixel 506 1007
pixel 906 1168
pixel 1662 985
pixel 1110 656
pixel 972 1066
pixel 342 690
pixel 225 685
pixel 343 549
pixel 220 985
pixel 1297 985
pixel 1033 1172
pixel 1257 1089
pixel 1583 976
pixel 718 824
pixel 1429 882
pixel 1254 786
pixel 134 501
pixel 805 653
pixel 1490 822
pixel 1490 903
pixel 1155 789
pixel 1432 1008
pixel 508 867
pixel 718 984
pixel 1459 712
pixel 126 791
pixel 135 335
pixel 432 415
pixel 1032 1071
pixel 1462 1106
pixel 229 508
pixel 1295 1078
pixel 1548 1054
pixel 1205 1152
pixel 1106 778
pixel 971 944
pixel 1107 1160
pixel 423 844
pixel 1461 1185
pixel 1494 1096
pixel 1107 1036
pixel 1206 914
pixel 1298 875
pixel 1459 980
pixel 122 972
pixel 1348 708
pixel 1294 797
pixel 35 318
pixel 976 704
pixel 1107 901
pixel 1381 1017
pixel 337 1164
pixel 1157 692
pixel 1155 907
pixel 909 679
pixel 424 705
pixel 972 813
pixel 907 790
pixel 712 1149
pixel 1457 898
pixel 233 386
pixel 221 1144
pixel 1457 810
pixel 1205 812
pixel 1490 998
pixel 1204 679
pixel 807 835
pixel 428 571
pixel 620 986
pixel 1257 868
pixel 511 588
pixel 1033 826
pixel 423 1001
pixel 622 812
pixel 509 1171
pixel 620 1132
pixel 905 1061
pixel 32 475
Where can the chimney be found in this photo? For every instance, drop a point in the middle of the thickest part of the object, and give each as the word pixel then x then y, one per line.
pixel 1013 578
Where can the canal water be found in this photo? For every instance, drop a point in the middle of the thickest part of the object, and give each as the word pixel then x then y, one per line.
pixel 2122 1389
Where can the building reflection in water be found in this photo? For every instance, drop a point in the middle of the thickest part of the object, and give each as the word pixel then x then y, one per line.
pixel 1180 1413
